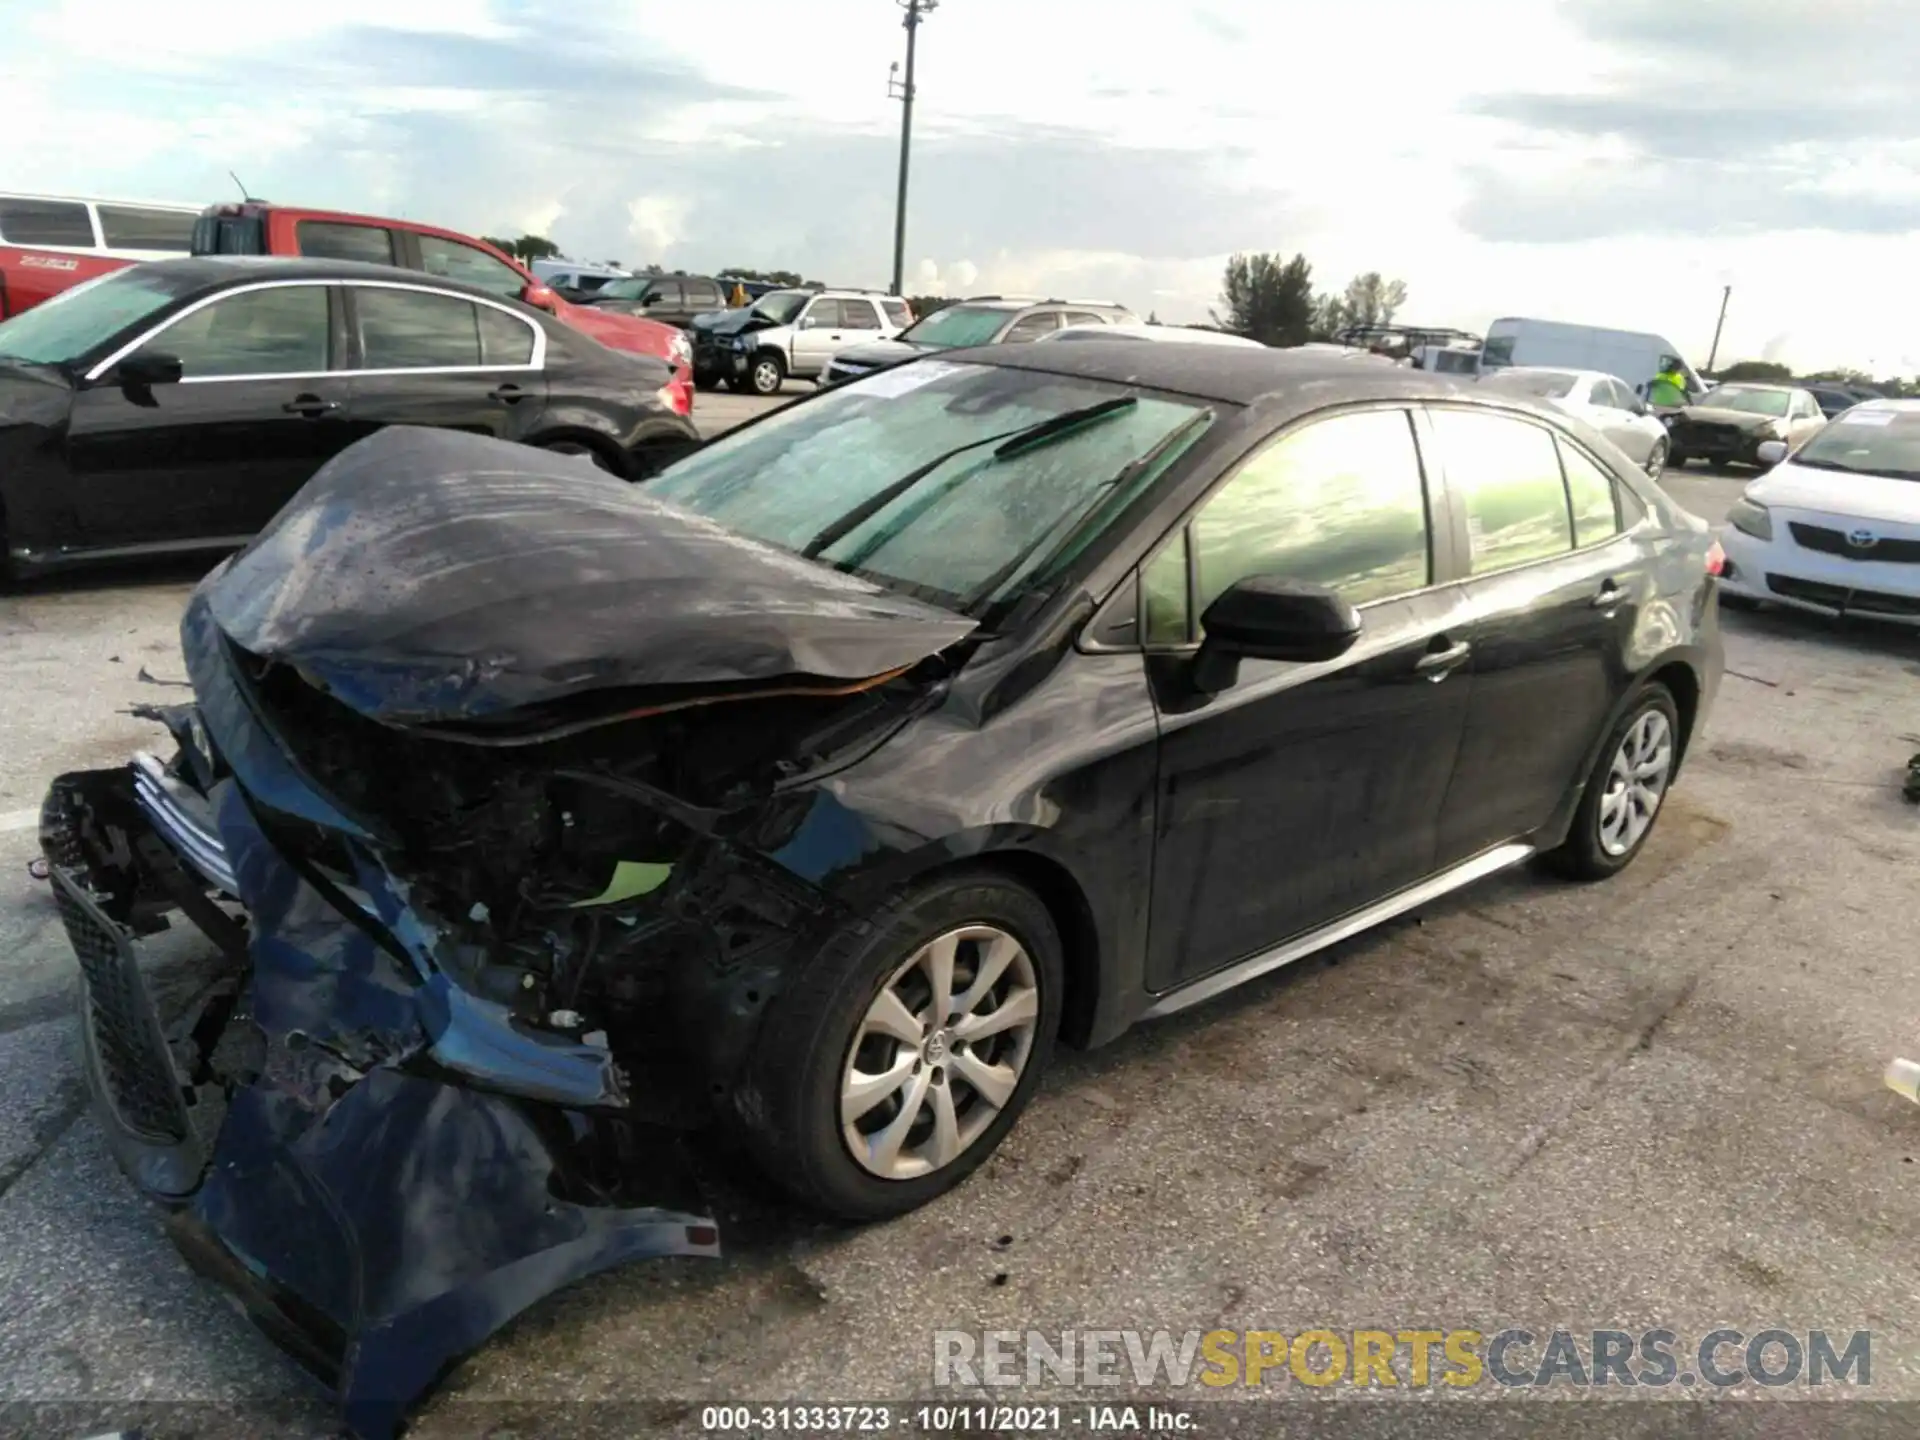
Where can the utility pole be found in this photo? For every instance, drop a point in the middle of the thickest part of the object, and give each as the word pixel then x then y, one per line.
pixel 1726 293
pixel 902 90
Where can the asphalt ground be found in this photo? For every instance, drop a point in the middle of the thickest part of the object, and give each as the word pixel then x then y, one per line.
pixel 1653 1102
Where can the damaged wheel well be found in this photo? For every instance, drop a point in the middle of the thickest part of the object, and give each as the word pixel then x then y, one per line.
pixel 1682 684
pixel 1079 939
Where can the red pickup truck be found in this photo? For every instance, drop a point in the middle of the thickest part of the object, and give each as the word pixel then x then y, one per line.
pixel 258 228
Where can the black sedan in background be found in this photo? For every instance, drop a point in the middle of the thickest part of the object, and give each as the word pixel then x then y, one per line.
pixel 818 785
pixel 179 405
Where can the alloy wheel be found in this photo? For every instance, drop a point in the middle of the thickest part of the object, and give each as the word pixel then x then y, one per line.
pixel 940 1052
pixel 1636 783
pixel 766 377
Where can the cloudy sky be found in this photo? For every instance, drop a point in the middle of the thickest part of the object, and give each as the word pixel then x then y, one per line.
pixel 1610 162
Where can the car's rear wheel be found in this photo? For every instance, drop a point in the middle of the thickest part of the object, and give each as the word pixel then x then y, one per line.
pixel 897 1059
pixel 1677 459
pixel 1624 793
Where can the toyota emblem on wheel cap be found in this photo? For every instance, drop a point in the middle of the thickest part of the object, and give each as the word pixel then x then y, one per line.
pixel 1862 539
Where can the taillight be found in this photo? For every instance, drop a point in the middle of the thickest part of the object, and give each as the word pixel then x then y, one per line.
pixel 677 396
pixel 1716 559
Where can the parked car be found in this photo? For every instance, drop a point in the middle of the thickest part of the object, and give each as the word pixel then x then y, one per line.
pixel 1634 356
pixel 820 785
pixel 576 280
pixel 789 333
pixel 1834 526
pixel 258 228
pixel 1833 399
pixel 1604 402
pixel 670 299
pixel 1729 425
pixel 1154 334
pixel 983 320
pixel 178 405
pixel 49 243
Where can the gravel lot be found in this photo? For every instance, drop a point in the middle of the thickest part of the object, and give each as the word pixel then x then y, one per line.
pixel 1651 1102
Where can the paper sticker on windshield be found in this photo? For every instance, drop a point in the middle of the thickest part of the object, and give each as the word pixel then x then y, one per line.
pixel 1865 417
pixel 889 383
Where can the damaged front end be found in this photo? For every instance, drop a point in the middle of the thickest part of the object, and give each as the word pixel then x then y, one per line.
pixel 492 936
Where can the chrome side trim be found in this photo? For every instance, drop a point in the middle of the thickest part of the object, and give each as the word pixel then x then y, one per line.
pixel 1432 888
pixel 538 361
pixel 179 816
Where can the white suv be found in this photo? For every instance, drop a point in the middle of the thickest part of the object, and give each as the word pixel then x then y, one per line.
pixel 796 332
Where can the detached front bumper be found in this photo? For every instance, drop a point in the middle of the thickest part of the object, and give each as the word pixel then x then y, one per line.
pixel 381 1169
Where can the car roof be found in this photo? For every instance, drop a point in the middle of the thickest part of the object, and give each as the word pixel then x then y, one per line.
pixel 1227 373
pixel 1140 330
pixel 208 271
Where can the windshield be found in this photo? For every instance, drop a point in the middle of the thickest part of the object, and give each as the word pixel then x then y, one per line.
pixel 1547 384
pixel 1869 442
pixel 957 326
pixel 798 475
pixel 76 321
pixel 1749 402
pixel 781 306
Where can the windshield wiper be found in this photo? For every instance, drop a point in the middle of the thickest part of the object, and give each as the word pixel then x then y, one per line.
pixel 1125 475
pixel 1042 430
pixel 1814 462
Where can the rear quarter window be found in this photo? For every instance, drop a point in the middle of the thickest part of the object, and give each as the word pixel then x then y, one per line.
pixel 137 227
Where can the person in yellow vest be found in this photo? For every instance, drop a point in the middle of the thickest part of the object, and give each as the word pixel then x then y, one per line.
pixel 739 296
pixel 1669 389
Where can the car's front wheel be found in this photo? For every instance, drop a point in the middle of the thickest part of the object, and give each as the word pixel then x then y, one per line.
pixel 1657 459
pixel 1625 791
pixel 768 374
pixel 897 1059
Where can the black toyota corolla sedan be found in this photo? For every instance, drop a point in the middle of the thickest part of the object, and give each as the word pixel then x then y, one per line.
pixel 177 405
pixel 818 786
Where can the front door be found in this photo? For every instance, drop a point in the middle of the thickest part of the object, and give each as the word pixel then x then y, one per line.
pixel 1553 592
pixel 819 335
pixel 259 408
pixel 430 357
pixel 1302 792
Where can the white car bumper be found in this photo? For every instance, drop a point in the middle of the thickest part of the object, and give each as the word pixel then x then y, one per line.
pixel 1788 570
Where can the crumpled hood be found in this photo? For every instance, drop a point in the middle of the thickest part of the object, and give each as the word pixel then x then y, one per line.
pixel 1744 419
pixel 430 575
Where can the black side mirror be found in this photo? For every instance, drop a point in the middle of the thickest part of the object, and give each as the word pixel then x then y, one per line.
pixel 147 368
pixel 1269 617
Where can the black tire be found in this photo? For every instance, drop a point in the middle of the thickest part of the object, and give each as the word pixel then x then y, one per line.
pixel 1582 856
pixel 706 382
pixel 1677 459
pixel 788 1104
pixel 767 373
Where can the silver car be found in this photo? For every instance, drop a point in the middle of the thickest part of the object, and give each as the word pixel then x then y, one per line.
pixel 1604 401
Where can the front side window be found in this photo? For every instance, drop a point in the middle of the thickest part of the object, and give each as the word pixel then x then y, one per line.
pixel 1507 472
pixel 412 330
pixel 451 260
pixel 822 315
pixel 281 330
pixel 45 222
pixel 1340 503
pixel 665 292
pixel 326 240
pixel 979 526
pixel 69 325
pixel 137 227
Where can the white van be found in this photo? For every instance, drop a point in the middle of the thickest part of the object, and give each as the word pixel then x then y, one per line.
pixel 579 276
pixel 1630 355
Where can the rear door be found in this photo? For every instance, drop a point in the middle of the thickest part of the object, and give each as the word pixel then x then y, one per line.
pixel 260 407
pixel 430 357
pixel 1554 585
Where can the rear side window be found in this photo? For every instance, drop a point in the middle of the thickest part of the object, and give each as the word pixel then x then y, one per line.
pixel 412 330
pixel 897 313
pixel 859 315
pixel 1507 473
pixel 1086 317
pixel 1591 495
pixel 282 330
pixel 1032 327
pixel 136 227
pixel 504 339
pixel 328 240
pixel 45 222
pixel 452 260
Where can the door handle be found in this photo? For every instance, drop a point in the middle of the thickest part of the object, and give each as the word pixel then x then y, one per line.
pixel 1436 665
pixel 1609 597
pixel 310 406
pixel 509 392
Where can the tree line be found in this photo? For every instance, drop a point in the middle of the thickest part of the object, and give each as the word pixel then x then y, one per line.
pixel 1269 297
pixel 1767 372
